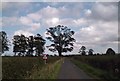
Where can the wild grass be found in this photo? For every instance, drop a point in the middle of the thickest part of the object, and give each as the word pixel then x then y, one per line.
pixel 49 71
pixel 23 67
pixel 95 73
pixel 102 67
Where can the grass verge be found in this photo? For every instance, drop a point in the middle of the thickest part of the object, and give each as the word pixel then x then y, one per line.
pixel 96 73
pixel 50 71
pixel 91 71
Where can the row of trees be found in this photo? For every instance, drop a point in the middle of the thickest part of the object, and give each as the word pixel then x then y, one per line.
pixel 22 45
pixel 60 36
pixel 28 45
pixel 83 51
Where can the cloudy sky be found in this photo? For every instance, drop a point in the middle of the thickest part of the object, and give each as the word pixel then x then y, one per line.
pixel 95 23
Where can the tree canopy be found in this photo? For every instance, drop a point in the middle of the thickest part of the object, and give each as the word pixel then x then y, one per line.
pixel 39 43
pixel 82 50
pixel 4 43
pixel 28 45
pixel 90 52
pixel 61 38
pixel 110 51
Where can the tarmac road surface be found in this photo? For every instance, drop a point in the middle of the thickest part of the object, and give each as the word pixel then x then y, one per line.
pixel 71 71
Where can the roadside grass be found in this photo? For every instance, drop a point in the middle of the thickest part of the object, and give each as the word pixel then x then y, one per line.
pixel 24 67
pixel 106 67
pixel 98 74
pixel 49 71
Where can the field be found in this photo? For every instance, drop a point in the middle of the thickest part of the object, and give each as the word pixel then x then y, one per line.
pixel 102 66
pixel 29 67
pixel 105 67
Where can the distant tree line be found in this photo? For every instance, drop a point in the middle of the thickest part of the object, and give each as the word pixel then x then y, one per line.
pixel 60 37
pixel 83 51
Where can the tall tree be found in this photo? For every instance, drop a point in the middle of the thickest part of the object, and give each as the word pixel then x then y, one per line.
pixel 16 44
pixel 61 38
pixel 39 44
pixel 90 52
pixel 31 45
pixel 4 43
pixel 82 50
pixel 23 44
pixel 110 51
pixel 20 44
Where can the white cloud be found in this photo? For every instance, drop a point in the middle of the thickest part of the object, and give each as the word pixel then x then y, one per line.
pixel 34 26
pixel 31 22
pixel 98 31
pixel 49 12
pixel 81 21
pixel 88 12
pixel 34 16
pixel 62 11
pixel 98 34
pixel 55 20
pixel 10 21
pixel 95 27
pixel 77 45
pixel 51 16
pixel 26 33
pixel 68 22
pixel 25 20
pixel 52 21
pixel 101 29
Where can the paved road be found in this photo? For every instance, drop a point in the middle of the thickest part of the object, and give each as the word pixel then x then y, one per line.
pixel 71 71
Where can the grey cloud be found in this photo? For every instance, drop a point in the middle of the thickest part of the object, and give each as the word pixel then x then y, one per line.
pixel 107 11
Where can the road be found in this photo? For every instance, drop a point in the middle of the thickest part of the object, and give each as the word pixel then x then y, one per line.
pixel 70 71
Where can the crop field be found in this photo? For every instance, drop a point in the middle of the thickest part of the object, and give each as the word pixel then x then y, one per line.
pixel 105 67
pixel 108 65
pixel 24 67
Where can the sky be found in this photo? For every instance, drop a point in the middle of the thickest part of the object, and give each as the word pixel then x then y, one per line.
pixel 95 23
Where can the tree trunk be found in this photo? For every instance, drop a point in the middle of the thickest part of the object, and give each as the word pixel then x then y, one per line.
pixel 15 54
pixel 60 53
